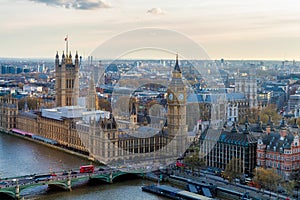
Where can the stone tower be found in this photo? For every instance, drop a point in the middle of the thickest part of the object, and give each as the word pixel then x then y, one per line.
pixel 66 80
pixel 92 98
pixel 176 119
pixel 248 86
pixel 133 114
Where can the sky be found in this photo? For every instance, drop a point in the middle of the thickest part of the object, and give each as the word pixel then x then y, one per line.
pixel 229 29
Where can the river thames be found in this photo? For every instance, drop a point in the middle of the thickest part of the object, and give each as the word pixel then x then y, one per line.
pixel 20 157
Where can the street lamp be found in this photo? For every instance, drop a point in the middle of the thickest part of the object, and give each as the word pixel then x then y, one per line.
pixel 17 191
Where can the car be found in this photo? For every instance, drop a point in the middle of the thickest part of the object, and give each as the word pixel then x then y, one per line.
pixel 281 191
pixel 248 180
pixel 65 173
pixel 29 178
pixel 3 182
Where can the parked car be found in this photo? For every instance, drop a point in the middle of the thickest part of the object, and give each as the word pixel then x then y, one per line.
pixel 3 182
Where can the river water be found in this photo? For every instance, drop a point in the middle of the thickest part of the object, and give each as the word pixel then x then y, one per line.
pixel 19 157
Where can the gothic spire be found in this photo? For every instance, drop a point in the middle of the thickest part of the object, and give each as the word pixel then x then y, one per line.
pixel 133 109
pixel 247 126
pixel 177 68
pixel 234 128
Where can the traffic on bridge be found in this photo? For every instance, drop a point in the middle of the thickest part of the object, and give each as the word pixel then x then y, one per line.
pixel 12 186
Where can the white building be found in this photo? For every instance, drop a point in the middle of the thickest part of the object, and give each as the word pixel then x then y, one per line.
pixel 293 102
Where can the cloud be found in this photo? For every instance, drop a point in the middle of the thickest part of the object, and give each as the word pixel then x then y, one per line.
pixel 76 4
pixel 156 11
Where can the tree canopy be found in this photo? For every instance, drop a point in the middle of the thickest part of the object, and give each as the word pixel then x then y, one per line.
pixel 233 169
pixel 32 103
pixel 264 113
pixel 267 178
pixel 104 104
pixel 193 160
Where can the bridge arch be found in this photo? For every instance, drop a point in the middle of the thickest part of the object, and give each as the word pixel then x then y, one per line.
pixel 119 173
pixel 7 194
pixel 124 173
pixel 102 177
pixel 59 185
pixel 109 177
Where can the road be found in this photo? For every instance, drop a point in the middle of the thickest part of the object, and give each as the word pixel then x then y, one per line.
pixel 220 182
pixel 30 179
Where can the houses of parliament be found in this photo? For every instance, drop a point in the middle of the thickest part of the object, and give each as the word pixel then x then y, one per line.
pixel 98 133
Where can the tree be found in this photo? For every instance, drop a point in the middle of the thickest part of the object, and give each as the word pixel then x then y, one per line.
pixel 104 104
pixel 267 178
pixel 193 160
pixel 292 121
pixel 295 177
pixel 233 169
pixel 264 113
pixel 252 114
pixel 32 103
pixel 270 110
pixel 289 186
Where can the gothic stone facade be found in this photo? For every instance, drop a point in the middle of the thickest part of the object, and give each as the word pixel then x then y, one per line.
pixel 8 112
pixel 66 80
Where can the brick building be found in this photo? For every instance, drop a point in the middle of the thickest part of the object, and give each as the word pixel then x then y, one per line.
pixel 279 149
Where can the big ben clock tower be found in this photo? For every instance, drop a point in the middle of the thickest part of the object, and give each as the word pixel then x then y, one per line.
pixel 177 127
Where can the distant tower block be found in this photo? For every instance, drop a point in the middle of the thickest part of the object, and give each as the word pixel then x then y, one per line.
pixel 67 80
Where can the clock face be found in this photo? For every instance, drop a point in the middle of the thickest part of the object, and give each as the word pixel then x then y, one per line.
pixel 180 97
pixel 171 96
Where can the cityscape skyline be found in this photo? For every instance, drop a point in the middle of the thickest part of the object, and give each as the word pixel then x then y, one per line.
pixel 231 30
pixel 239 122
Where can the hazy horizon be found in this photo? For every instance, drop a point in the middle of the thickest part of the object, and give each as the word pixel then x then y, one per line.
pixel 52 58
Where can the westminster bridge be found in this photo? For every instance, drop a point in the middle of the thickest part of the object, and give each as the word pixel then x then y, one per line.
pixel 10 188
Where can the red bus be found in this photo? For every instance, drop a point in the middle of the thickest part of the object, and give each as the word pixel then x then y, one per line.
pixel 179 164
pixel 87 169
